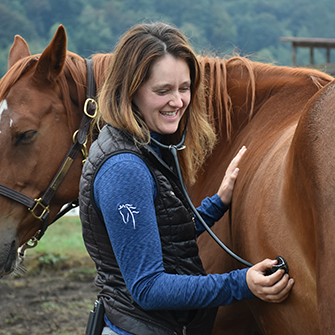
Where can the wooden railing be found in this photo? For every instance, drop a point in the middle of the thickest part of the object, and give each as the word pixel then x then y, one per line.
pixel 313 43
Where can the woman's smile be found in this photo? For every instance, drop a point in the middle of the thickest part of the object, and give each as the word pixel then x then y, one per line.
pixel 170 114
pixel 163 98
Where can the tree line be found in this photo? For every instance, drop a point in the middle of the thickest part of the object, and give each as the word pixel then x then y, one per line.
pixel 215 27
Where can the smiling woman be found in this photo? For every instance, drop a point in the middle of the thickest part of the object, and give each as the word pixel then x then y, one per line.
pixel 163 98
pixel 137 224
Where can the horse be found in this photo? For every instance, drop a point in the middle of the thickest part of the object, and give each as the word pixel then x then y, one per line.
pixel 42 99
pixel 281 201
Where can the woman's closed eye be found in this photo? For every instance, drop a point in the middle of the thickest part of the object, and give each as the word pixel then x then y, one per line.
pixel 184 89
pixel 162 92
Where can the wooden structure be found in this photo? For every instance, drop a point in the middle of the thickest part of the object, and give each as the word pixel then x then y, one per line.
pixel 313 43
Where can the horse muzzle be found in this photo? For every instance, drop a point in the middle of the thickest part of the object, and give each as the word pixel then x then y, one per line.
pixel 8 258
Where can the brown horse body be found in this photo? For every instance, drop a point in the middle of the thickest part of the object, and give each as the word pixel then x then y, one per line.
pixel 282 202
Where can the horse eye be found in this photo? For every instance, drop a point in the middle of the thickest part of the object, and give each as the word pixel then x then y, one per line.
pixel 26 136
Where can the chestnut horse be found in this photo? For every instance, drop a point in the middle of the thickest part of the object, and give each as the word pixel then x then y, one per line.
pixel 283 198
pixel 283 195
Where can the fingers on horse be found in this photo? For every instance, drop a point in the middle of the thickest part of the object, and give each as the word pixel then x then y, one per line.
pixel 230 178
pixel 236 160
pixel 240 154
pixel 276 282
pixel 232 170
pixel 282 290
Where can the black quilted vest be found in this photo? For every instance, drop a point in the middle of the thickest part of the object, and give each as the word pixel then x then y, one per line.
pixel 178 238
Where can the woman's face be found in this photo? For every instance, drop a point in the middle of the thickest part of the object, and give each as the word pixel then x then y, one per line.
pixel 164 97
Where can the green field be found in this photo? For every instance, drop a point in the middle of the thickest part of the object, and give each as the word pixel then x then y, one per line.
pixel 64 237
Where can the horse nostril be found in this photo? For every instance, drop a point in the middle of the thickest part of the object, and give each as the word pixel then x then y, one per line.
pixel 11 257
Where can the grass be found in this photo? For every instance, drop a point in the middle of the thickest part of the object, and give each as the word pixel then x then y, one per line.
pixel 64 237
pixel 61 248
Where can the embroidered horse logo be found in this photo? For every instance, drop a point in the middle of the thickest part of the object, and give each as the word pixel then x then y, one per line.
pixel 127 212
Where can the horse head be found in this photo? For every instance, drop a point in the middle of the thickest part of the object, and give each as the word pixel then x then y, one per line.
pixel 40 99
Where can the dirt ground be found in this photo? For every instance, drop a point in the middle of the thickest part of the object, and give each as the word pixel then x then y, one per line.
pixel 52 297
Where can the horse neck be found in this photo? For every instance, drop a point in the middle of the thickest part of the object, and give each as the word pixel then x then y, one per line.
pixel 77 78
pixel 237 88
pixel 230 92
pixel 75 88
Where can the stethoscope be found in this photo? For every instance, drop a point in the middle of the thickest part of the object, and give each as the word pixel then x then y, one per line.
pixel 281 263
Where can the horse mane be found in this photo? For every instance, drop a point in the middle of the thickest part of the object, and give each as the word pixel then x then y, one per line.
pixel 73 68
pixel 15 73
pixel 218 102
pixel 101 66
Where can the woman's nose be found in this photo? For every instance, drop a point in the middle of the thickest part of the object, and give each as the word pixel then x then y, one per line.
pixel 176 101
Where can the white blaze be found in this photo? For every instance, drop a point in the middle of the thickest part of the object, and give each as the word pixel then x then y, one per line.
pixel 3 107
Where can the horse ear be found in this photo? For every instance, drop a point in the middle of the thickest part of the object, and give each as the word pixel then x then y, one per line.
pixel 18 51
pixel 52 60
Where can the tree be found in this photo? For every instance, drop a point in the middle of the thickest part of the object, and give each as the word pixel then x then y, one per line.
pixel 13 23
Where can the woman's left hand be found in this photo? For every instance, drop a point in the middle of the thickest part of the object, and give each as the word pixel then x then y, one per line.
pixel 226 188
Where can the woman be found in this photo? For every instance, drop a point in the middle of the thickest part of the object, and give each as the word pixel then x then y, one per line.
pixel 137 225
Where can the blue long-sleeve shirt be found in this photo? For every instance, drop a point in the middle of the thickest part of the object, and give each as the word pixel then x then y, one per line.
pixel 124 191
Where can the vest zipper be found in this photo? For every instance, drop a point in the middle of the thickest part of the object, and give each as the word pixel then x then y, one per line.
pixel 194 223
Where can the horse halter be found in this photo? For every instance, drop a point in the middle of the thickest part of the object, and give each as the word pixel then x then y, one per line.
pixel 39 207
pixel 281 263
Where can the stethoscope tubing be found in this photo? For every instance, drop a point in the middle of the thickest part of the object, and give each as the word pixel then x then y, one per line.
pixel 174 149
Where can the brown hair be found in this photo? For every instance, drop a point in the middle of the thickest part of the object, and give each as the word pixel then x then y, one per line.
pixel 137 50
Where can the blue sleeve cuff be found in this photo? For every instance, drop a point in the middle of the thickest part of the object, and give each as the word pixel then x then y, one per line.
pixel 217 202
pixel 211 210
pixel 247 294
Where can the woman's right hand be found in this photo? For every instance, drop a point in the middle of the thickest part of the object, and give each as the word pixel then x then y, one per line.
pixel 273 288
pixel 226 188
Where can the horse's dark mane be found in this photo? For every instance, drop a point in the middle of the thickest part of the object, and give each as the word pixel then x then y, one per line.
pixel 218 102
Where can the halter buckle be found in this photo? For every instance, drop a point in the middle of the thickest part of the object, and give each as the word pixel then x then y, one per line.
pixel 32 243
pixel 45 209
pixel 84 150
pixel 95 109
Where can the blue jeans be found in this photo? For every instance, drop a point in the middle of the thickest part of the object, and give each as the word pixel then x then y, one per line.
pixel 108 331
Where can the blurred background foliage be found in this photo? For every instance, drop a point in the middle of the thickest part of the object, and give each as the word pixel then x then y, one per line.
pixel 215 27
